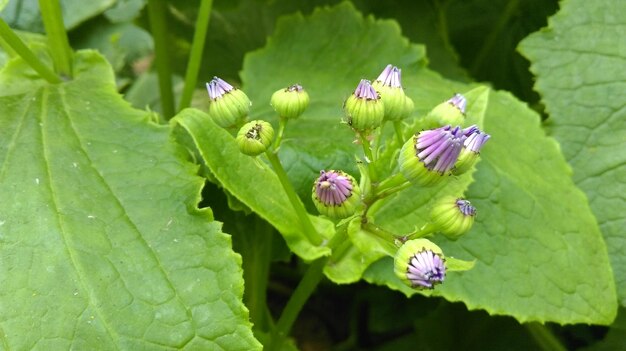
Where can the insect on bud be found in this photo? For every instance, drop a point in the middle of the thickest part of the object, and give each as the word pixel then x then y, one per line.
pixel 291 101
pixel 255 137
pixel 453 216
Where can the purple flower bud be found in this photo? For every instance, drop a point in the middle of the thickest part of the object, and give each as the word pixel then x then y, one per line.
pixel 426 269
pixel 453 216
pixel 439 149
pixel 391 76
pixel 475 139
pixel 465 207
pixel 420 264
pixel 217 88
pixel 459 101
pixel 365 90
pixel 336 194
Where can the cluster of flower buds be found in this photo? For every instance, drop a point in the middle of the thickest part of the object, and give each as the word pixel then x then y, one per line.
pixel 290 102
pixel 336 194
pixel 420 264
pixel 229 106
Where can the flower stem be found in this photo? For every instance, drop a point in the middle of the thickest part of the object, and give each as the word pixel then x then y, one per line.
pixel 156 14
pixel 15 43
pixel 427 229
pixel 369 155
pixel 57 36
pixel 544 337
pixel 195 56
pixel 309 230
pixel 388 237
pixel 282 123
pixel 304 290
pixel 397 126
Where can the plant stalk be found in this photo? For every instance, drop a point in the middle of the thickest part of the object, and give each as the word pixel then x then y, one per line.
pixel 195 56
pixel 57 36
pixel 309 230
pixel 544 337
pixel 15 43
pixel 156 14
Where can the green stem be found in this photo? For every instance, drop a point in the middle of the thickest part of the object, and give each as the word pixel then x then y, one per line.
pixel 156 13
pixel 544 337
pixel 21 49
pixel 195 56
pixel 304 290
pixel 57 36
pixel 427 229
pixel 369 155
pixel 397 127
pixel 282 124
pixel 387 236
pixel 309 230
pixel 393 182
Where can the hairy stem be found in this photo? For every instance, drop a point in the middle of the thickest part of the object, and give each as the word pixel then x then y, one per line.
pixel 15 43
pixel 309 230
pixel 57 36
pixel 156 14
pixel 195 56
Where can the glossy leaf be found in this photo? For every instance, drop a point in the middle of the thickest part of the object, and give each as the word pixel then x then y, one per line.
pixel 101 240
pixel 579 64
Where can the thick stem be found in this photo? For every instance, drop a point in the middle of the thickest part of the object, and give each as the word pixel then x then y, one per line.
pixel 195 56
pixel 57 36
pixel 156 14
pixel 309 230
pixel 304 290
pixel 21 49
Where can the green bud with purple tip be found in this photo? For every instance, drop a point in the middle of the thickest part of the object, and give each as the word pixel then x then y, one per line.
pixel 450 112
pixel 453 216
pixel 229 106
pixel 364 109
pixel 290 102
pixel 255 137
pixel 389 85
pixel 471 149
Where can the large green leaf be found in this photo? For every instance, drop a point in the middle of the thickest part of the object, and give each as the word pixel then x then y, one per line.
pixel 25 14
pixel 579 63
pixel 539 252
pixel 101 241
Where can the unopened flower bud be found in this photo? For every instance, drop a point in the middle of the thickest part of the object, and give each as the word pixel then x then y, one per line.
pixel 450 112
pixel 229 106
pixel 336 194
pixel 430 155
pixel 420 264
pixel 291 101
pixel 255 137
pixel 389 85
pixel 471 149
pixel 364 109
pixel 452 216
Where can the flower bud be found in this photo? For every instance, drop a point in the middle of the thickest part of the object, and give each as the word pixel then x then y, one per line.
pixel 389 85
pixel 255 137
pixel 450 112
pixel 420 264
pixel 291 101
pixel 430 155
pixel 452 216
pixel 229 106
pixel 471 149
pixel 364 109
pixel 336 194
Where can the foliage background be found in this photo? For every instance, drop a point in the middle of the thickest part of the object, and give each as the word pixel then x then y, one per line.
pixel 577 66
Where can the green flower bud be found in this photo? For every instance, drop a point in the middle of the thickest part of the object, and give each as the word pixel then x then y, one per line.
pixel 389 85
pixel 290 102
pixel 452 216
pixel 428 157
pixel 420 264
pixel 364 109
pixel 255 137
pixel 336 194
pixel 229 106
pixel 451 112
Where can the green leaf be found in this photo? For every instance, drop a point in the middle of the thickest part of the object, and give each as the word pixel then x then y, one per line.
pixel 25 14
pixel 539 254
pixel 102 243
pixel 579 64
pixel 251 181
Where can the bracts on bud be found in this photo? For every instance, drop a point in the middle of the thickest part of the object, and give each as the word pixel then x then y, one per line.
pixel 291 101
pixel 364 108
pixel 255 137
pixel 389 84
pixel 453 216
